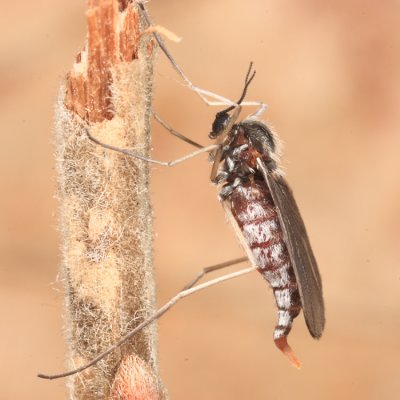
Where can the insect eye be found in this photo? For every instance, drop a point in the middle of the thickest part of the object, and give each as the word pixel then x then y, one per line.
pixel 219 124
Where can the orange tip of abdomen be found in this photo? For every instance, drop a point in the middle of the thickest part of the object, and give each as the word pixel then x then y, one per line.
pixel 282 344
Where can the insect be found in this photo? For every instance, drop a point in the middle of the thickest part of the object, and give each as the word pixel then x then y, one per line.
pixel 261 208
pixel 263 212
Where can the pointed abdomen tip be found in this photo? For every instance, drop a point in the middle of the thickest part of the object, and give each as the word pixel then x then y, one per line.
pixel 282 344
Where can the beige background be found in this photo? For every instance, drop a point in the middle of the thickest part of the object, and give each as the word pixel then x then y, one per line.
pixel 329 72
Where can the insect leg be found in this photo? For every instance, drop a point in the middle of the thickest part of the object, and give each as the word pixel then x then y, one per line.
pixel 161 311
pixel 213 268
pixel 130 153
pixel 261 109
pixel 202 93
pixel 174 132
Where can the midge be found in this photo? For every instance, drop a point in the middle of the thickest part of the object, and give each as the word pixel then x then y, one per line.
pixel 262 210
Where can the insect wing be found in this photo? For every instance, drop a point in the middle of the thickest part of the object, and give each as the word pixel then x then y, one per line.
pixel 300 251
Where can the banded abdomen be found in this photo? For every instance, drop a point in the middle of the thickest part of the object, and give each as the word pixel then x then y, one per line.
pixel 258 228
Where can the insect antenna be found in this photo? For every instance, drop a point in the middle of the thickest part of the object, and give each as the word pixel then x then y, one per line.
pixel 222 118
pixel 247 82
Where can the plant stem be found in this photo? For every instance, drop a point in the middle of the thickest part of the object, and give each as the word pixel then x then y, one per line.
pixel 105 213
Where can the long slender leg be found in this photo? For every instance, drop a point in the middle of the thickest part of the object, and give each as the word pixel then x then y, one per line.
pixel 176 133
pixel 202 93
pixel 130 153
pixel 261 109
pixel 161 311
pixel 176 66
pixel 213 268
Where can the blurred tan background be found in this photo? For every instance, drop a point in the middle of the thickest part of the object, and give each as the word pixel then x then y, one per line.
pixel 329 72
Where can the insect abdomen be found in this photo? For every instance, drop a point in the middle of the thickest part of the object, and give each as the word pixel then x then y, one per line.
pixel 253 209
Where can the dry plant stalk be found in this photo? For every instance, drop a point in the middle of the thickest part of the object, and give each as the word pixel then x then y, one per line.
pixel 105 214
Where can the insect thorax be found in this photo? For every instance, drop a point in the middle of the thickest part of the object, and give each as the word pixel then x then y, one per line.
pixel 248 141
